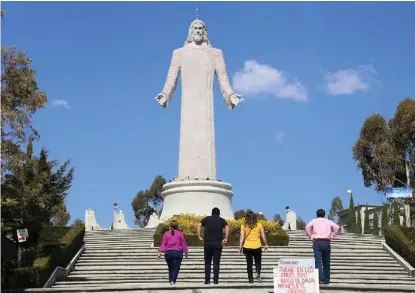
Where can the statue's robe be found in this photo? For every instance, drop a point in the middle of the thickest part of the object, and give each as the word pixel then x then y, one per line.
pixel 197 66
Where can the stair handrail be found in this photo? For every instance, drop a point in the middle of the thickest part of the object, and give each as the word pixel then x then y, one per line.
pixel 404 264
pixel 61 273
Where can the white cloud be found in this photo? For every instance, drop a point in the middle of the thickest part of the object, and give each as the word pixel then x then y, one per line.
pixel 255 79
pixel 279 137
pixel 349 81
pixel 61 103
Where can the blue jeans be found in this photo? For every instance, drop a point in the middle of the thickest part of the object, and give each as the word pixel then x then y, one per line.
pixel 322 250
pixel 174 260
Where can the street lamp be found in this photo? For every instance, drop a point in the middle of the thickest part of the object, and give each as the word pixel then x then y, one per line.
pixel 349 192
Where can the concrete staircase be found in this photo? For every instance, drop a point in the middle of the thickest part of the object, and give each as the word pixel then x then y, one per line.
pixel 124 261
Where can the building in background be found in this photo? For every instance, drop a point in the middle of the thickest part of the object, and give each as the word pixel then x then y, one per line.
pixel 372 210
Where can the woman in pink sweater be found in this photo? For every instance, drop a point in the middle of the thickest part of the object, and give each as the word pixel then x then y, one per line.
pixel 174 246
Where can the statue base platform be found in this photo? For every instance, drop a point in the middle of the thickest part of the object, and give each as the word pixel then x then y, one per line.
pixel 199 197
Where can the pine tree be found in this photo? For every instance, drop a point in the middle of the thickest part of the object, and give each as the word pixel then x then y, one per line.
pixel 396 218
pixel 359 222
pixel 385 218
pixel 375 230
pixel 351 217
pixel 367 229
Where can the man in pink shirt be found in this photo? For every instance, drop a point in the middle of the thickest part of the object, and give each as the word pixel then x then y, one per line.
pixel 322 231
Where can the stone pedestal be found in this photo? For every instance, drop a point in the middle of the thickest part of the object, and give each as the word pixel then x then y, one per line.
pixel 91 221
pixel 290 220
pixel 153 222
pixel 197 197
pixel 119 221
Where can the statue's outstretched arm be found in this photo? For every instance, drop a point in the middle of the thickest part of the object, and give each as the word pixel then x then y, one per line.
pixel 171 81
pixel 231 98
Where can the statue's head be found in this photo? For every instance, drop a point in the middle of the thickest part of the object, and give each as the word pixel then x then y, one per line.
pixel 197 32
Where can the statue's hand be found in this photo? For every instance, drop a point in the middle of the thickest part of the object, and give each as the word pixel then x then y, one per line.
pixel 235 99
pixel 161 99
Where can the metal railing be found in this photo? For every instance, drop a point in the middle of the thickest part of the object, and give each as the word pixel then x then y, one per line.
pixel 60 273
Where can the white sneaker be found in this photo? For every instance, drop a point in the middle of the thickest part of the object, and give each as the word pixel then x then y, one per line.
pixel 171 283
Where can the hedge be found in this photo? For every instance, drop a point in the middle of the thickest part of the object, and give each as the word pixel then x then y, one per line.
pixel 51 235
pixel 276 236
pixel 402 240
pixel 59 253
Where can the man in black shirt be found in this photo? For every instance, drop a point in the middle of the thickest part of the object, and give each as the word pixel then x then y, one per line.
pixel 213 242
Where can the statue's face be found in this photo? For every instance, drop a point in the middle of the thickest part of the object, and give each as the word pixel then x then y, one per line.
pixel 199 32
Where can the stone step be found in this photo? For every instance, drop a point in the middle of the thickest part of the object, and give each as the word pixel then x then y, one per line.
pixel 241 275
pixel 118 245
pixel 190 259
pixel 291 243
pixel 364 256
pixel 118 240
pixel 235 248
pixel 223 280
pixel 238 272
pixel 124 261
pixel 222 288
pixel 371 242
pixel 241 262
pixel 351 239
pixel 224 258
pixel 268 287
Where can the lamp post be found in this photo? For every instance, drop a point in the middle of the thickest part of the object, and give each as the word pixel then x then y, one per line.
pixel 115 215
pixel 349 192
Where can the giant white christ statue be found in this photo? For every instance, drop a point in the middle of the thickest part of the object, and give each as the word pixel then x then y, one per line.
pixel 196 189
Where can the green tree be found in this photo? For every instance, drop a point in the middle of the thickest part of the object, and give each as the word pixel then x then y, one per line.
pixel 367 229
pixel 351 217
pixel 34 194
pixel 147 202
pixel 20 99
pixel 336 206
pixel 375 230
pixel 385 150
pixel 376 155
pixel 359 222
pixel 385 217
pixel 77 222
pixel 395 216
pixel 301 224
pixel 277 218
pixel 60 216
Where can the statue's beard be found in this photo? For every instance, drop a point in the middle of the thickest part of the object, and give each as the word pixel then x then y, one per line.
pixel 198 38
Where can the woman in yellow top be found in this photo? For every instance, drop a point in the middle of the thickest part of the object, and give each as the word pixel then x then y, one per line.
pixel 250 244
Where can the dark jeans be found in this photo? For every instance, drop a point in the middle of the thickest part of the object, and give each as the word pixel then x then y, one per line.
pixel 251 254
pixel 173 259
pixel 322 250
pixel 212 250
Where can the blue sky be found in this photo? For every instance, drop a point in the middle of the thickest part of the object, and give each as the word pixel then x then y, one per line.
pixel 310 74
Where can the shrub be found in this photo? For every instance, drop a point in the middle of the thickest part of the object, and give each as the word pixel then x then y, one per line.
pixel 359 222
pixel 351 217
pixel 68 246
pixel 396 219
pixel 385 218
pixel 56 252
pixel 188 225
pixel 402 240
pixel 366 224
pixel 375 230
pixel 50 235
pixel 30 277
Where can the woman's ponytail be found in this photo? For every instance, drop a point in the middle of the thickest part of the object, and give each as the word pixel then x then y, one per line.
pixel 173 227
